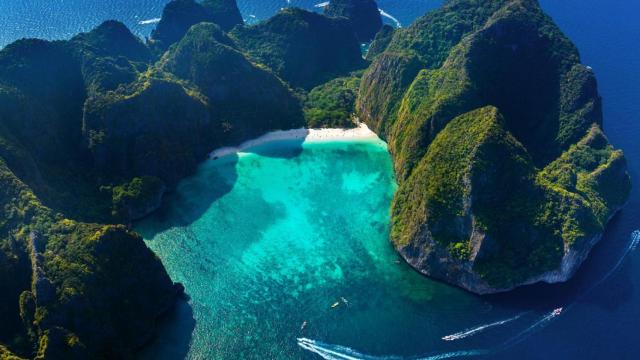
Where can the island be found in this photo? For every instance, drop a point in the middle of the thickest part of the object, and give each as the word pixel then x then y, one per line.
pixel 505 177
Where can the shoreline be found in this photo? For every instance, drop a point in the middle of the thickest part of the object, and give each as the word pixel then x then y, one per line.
pixel 308 135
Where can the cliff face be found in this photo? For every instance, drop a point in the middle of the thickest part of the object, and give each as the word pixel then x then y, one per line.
pixel 64 293
pixel 480 103
pixel 179 15
pixel 363 14
pixel 303 48
pixel 494 125
pixel 93 131
pixel 244 98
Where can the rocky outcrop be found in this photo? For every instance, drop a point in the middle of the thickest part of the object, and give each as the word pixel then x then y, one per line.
pixel 485 127
pixel 363 14
pixel 380 42
pixel 138 198
pixel 303 48
pixel 244 99
pixel 92 131
pixel 224 13
pixel 179 15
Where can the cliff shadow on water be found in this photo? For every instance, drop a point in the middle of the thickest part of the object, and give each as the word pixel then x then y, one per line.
pixel 608 259
pixel 213 179
pixel 176 329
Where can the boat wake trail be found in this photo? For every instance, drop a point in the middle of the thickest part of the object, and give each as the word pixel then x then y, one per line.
pixel 149 22
pixel 635 239
pixel 479 329
pixel 633 244
pixel 390 17
pixel 338 352
pixel 542 322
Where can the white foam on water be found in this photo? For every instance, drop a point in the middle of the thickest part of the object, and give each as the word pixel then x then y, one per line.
pixel 479 329
pixel 391 17
pixel 633 244
pixel 539 324
pixel 457 354
pixel 337 352
pixel 546 319
pixel 149 21
pixel 322 4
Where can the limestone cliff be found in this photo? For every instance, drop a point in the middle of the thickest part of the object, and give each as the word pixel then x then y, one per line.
pixel 480 103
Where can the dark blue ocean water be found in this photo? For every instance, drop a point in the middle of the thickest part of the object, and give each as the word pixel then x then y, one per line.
pixel 61 19
pixel 601 317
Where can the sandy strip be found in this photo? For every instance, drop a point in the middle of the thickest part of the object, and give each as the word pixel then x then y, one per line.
pixel 309 135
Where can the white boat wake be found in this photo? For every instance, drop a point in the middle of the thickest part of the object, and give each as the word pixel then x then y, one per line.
pixel 338 352
pixel 479 329
pixel 391 17
pixel 149 22
pixel 633 244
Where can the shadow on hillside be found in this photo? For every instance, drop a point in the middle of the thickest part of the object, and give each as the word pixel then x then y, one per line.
pixel 605 268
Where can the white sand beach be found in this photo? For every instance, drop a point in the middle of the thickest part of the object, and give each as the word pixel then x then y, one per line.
pixel 309 135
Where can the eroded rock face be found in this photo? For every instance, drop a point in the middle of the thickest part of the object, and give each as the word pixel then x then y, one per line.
pixel 495 134
pixel 92 131
pixel 304 48
pixel 363 14
pixel 179 15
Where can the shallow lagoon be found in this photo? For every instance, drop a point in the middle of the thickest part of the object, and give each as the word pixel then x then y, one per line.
pixel 600 323
pixel 266 240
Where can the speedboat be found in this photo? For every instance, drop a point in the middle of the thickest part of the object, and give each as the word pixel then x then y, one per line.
pixel 557 311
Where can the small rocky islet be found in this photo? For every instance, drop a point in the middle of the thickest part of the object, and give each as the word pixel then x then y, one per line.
pixel 494 126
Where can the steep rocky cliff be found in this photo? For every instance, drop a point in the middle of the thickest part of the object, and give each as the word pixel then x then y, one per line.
pixel 363 15
pixel 480 102
pixel 93 131
pixel 303 48
pixel 494 125
pixel 179 15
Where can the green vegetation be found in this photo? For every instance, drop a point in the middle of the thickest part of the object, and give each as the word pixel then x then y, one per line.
pixel 304 48
pixel 138 197
pixel 493 123
pixel 224 13
pixel 504 190
pixel 91 132
pixel 179 15
pixel 380 42
pixel 5 354
pixel 363 15
pixel 332 104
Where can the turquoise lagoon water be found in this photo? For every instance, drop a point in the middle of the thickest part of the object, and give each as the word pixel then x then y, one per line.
pixel 232 233
pixel 270 239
